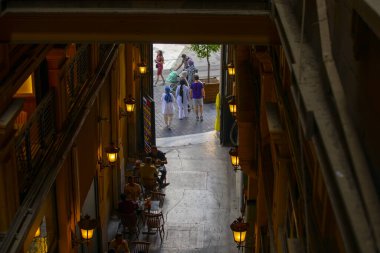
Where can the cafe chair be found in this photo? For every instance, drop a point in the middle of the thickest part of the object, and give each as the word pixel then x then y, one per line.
pixel 140 247
pixel 159 196
pixel 129 223
pixel 156 212
pixel 154 223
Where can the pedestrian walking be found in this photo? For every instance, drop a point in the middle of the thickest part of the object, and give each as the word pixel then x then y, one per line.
pixel 160 66
pixel 197 94
pixel 183 76
pixel 191 70
pixel 183 97
pixel 189 67
pixel 184 62
pixel 167 100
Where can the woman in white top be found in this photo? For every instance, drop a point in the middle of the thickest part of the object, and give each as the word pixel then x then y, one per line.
pixel 167 100
pixel 183 76
pixel 183 97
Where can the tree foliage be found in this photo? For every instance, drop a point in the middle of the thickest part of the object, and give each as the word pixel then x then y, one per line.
pixel 205 51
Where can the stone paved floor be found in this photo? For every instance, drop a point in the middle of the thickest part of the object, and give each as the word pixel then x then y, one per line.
pixel 204 194
pixel 202 199
pixel 185 126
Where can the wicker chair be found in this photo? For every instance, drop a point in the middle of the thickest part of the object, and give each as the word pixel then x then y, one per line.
pixel 137 179
pixel 155 223
pixel 140 247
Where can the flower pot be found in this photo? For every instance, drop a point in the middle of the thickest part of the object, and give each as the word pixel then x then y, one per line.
pixel 211 89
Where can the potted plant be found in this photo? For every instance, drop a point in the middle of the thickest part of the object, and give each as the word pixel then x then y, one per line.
pixel 211 84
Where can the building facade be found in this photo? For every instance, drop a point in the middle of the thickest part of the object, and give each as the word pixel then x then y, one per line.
pixel 305 92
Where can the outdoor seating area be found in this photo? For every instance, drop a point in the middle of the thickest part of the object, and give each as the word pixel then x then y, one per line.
pixel 186 215
pixel 140 215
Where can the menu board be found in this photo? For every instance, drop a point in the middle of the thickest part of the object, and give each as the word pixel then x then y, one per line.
pixel 148 122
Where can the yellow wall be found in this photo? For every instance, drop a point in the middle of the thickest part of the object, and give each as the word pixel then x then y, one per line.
pixel 26 87
pixel 87 143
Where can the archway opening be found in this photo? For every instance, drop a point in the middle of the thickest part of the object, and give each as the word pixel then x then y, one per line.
pixel 170 75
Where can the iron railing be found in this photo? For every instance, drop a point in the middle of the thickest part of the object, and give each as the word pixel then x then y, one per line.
pixel 33 141
pixel 76 74
pixel 54 159
pixel 35 138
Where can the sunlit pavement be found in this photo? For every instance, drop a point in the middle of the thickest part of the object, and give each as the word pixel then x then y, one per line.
pixel 172 55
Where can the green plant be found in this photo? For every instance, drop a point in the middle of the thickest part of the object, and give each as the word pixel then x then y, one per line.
pixel 205 51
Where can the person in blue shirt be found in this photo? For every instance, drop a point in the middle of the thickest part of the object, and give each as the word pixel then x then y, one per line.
pixel 167 100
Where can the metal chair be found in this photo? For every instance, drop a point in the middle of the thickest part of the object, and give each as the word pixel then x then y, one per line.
pixel 154 223
pixel 140 247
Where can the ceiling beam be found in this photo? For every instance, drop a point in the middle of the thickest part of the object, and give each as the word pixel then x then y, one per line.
pixel 126 27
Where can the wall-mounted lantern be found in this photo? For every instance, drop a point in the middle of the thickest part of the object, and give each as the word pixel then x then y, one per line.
pixel 112 152
pixel 143 68
pixel 239 229
pixel 232 106
pixel 231 69
pixel 87 227
pixel 130 104
pixel 234 155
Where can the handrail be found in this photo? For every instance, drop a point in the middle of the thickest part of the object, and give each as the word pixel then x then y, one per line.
pixel 54 160
pixel 37 134
pixel 75 74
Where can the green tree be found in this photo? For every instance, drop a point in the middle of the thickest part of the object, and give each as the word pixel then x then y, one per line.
pixel 205 51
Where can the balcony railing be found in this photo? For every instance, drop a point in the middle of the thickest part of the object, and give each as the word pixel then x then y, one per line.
pixel 48 163
pixel 33 141
pixel 76 73
pixel 35 138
